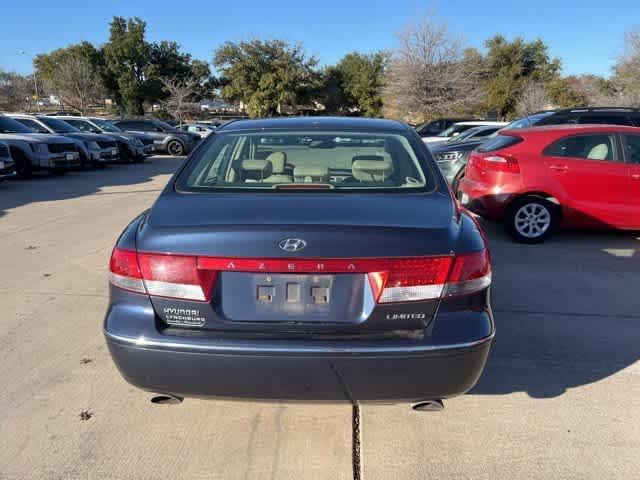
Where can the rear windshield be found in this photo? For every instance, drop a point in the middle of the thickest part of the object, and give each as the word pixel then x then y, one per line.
pixel 305 160
pixel 498 143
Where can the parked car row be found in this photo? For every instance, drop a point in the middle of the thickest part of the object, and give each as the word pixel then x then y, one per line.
pixel 577 168
pixel 58 143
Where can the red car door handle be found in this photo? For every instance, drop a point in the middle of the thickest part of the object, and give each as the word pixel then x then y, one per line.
pixel 635 176
pixel 559 168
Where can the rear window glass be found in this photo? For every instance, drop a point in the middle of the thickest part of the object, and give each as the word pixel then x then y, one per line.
pixel 305 160
pixel 498 143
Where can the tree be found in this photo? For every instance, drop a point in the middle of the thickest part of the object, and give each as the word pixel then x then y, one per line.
pixel 133 68
pixel 126 63
pixel 180 91
pixel 265 75
pixel 358 77
pixel 592 90
pixel 626 72
pixel 432 73
pixel 16 91
pixel 205 84
pixel 511 66
pixel 533 98
pixel 565 92
pixel 72 74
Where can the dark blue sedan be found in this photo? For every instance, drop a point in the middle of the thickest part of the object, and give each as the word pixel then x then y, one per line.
pixel 306 259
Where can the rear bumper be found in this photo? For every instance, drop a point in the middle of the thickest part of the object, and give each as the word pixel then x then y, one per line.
pixel 301 370
pixel 483 199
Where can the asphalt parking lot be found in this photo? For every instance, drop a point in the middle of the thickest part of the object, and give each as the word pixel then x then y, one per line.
pixel 560 397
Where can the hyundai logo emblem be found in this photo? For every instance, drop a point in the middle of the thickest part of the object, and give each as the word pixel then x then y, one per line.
pixel 292 244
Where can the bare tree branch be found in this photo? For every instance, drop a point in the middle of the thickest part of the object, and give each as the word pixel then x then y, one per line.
pixel 180 92
pixel 77 83
pixel 432 73
pixel 532 99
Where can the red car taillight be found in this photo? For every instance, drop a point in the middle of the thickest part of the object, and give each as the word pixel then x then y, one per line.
pixel 175 276
pixel 391 279
pixel 496 163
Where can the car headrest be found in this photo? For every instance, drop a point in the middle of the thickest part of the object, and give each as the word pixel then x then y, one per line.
pixel 599 152
pixel 256 169
pixel 310 173
pixel 372 170
pixel 278 161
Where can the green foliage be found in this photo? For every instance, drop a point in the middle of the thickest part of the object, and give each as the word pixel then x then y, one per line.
pixel 356 83
pixel 563 93
pixel 265 75
pixel 513 65
pixel 126 63
pixel 133 67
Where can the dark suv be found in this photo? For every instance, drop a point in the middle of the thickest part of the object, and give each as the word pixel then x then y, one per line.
pixel 591 116
pixel 165 137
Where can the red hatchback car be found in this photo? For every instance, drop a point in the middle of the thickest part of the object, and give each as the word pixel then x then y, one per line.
pixel 537 179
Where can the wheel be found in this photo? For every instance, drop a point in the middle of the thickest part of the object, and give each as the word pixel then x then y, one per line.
pixel 175 148
pixel 125 154
pixel 532 219
pixel 84 161
pixel 23 164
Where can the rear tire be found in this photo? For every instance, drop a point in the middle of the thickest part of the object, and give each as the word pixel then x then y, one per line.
pixel 125 155
pixel 175 148
pixel 532 219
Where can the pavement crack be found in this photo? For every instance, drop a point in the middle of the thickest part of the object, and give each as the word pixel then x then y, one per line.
pixel 356 455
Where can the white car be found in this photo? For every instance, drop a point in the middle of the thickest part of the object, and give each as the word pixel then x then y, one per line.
pixel 202 129
pixel 457 128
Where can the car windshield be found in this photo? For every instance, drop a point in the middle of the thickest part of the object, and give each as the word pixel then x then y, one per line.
pixel 58 126
pixel 306 160
pixel 83 125
pixel 454 130
pixel 9 125
pixel 106 125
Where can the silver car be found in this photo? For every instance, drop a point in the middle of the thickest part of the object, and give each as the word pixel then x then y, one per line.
pixel 35 151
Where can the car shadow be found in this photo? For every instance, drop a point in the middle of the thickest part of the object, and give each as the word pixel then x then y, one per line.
pixel 44 187
pixel 567 311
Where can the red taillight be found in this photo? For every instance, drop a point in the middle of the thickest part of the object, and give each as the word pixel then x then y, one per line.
pixel 391 279
pixel 411 279
pixel 498 163
pixel 124 271
pixel 175 276
pixel 471 272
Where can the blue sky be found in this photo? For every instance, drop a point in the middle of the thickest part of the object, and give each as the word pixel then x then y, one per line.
pixel 587 35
